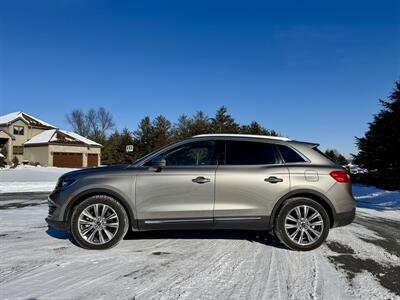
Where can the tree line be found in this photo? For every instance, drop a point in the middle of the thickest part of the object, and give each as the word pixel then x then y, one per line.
pixel 151 134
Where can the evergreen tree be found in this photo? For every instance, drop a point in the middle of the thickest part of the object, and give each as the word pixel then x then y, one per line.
pixel 336 156
pixel 114 151
pixel 162 132
pixel 224 122
pixel 254 128
pixel 182 129
pixel 379 148
pixel 199 124
pixel 143 137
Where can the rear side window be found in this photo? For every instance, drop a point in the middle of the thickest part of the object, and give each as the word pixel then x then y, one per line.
pixel 289 155
pixel 249 153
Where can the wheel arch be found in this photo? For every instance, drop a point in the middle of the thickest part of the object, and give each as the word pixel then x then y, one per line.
pixel 314 195
pixel 96 192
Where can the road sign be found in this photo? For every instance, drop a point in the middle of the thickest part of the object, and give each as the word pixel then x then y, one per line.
pixel 129 148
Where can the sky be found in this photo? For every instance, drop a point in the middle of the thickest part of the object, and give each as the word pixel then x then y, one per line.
pixel 312 70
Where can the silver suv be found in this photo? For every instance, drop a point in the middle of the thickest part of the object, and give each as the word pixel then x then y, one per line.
pixel 213 181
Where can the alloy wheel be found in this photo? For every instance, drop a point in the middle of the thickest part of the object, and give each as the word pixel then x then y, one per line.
pixel 98 224
pixel 304 225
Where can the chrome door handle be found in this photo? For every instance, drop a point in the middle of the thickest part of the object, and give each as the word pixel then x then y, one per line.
pixel 201 180
pixel 273 179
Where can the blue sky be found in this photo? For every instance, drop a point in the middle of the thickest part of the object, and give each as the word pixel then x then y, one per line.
pixel 312 70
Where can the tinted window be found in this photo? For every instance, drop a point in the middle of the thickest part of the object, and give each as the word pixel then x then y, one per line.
pixel 193 154
pixel 249 153
pixel 289 155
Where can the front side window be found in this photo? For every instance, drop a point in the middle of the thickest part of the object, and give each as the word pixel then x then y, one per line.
pixel 192 154
pixel 289 155
pixel 249 153
pixel 18 130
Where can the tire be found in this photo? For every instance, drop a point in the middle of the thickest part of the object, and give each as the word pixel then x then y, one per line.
pixel 92 230
pixel 312 230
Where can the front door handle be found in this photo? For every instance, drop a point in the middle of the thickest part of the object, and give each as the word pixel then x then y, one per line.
pixel 273 179
pixel 201 180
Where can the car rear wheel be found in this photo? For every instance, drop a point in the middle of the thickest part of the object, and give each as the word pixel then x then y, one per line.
pixel 99 222
pixel 302 224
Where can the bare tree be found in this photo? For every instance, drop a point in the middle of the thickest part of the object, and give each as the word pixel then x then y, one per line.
pixel 93 124
pixel 77 119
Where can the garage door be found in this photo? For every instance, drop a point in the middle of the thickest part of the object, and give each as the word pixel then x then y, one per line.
pixel 67 160
pixel 93 160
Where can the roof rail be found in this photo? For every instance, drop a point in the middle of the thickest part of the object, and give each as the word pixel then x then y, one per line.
pixel 244 136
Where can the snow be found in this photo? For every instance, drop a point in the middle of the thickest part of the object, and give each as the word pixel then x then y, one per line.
pixel 51 136
pixel 30 179
pixel 5 119
pixel 41 138
pixel 375 198
pixel 80 138
pixel 37 262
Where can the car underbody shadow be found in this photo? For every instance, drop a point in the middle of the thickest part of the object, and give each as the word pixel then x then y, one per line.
pixel 251 236
pixel 61 235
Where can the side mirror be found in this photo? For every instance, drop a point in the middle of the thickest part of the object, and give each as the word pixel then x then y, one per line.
pixel 158 164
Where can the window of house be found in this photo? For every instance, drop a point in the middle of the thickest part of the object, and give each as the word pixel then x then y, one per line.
pixel 289 155
pixel 249 153
pixel 18 150
pixel 18 130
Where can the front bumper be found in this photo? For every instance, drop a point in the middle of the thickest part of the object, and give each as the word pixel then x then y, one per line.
pixel 56 214
pixel 60 225
pixel 345 218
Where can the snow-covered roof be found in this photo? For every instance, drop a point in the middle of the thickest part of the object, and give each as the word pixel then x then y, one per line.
pixel 244 136
pixel 6 119
pixel 58 135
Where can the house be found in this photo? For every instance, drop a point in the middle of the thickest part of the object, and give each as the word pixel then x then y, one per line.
pixel 32 140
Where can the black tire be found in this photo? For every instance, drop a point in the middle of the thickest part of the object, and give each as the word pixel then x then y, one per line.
pixel 118 234
pixel 283 235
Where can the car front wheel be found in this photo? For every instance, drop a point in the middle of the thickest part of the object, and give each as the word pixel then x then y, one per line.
pixel 99 222
pixel 302 224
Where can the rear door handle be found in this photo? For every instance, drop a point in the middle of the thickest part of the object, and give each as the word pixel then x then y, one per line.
pixel 273 179
pixel 201 180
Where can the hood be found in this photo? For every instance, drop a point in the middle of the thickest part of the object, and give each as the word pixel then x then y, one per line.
pixel 99 170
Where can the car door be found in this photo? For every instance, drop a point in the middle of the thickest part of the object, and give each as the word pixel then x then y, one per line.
pixel 248 184
pixel 181 194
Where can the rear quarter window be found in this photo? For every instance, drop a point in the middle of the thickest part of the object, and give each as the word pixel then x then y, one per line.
pixel 289 155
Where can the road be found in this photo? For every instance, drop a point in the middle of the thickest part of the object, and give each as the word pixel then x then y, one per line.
pixel 357 262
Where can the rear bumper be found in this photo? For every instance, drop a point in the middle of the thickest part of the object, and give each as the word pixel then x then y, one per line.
pixel 345 218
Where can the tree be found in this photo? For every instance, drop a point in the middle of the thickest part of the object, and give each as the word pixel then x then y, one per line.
pixel 94 124
pixel 379 148
pixel 254 128
pixel 336 156
pixel 153 134
pixel 182 129
pixel 114 151
pixel 223 122
pixel 200 124
pixel 162 132
pixel 143 136
pixel 77 120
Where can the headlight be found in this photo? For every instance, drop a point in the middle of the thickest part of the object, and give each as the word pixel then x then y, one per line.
pixel 64 182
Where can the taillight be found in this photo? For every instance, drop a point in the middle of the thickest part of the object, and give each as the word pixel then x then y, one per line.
pixel 340 176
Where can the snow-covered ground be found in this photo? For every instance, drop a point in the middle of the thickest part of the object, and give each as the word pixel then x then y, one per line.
pixel 29 179
pixel 359 261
